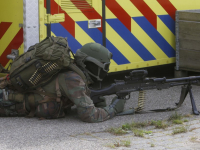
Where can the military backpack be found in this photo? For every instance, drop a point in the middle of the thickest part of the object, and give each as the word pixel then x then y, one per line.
pixel 40 63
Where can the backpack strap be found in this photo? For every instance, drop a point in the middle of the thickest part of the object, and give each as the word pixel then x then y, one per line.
pixel 73 67
pixel 58 92
pixel 32 105
pixel 49 97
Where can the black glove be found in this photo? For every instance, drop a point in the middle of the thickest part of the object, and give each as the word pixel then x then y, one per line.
pixel 102 103
pixel 116 106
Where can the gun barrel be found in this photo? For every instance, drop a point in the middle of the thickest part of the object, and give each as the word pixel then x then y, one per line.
pixel 191 78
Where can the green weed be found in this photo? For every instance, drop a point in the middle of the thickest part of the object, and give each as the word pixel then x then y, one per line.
pixel 193 139
pixel 117 131
pixel 120 143
pixel 178 130
pixel 175 116
pixel 127 126
pixel 159 124
pixel 188 115
pixel 110 145
pixel 152 145
pixel 117 144
pixel 139 133
pixel 141 124
pixel 148 132
pixel 126 143
pixel 130 126
pixel 177 121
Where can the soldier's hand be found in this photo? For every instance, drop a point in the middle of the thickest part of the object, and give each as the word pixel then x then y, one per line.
pixel 102 103
pixel 118 104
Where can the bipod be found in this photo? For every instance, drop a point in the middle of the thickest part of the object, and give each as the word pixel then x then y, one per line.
pixel 184 91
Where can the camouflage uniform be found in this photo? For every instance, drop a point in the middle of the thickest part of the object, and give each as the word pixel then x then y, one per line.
pixel 9 108
pixel 1 94
pixel 75 90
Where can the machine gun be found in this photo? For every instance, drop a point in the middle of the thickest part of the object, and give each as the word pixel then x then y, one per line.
pixel 137 81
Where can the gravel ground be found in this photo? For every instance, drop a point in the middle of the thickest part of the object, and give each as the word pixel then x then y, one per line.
pixel 72 134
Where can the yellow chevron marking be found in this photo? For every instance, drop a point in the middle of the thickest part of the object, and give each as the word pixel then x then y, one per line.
pixel 129 8
pixel 147 41
pixel 81 36
pixel 121 45
pixel 137 65
pixel 52 34
pixel 8 36
pixel 21 49
pixel 78 16
pixel 186 4
pixel 113 63
pixel 97 5
pixel 156 7
pixel 12 14
pixel 166 33
pixel 43 34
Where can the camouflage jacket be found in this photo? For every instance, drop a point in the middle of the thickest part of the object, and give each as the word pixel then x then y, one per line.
pixel 73 87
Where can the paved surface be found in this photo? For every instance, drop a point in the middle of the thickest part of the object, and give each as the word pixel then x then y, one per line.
pixel 72 134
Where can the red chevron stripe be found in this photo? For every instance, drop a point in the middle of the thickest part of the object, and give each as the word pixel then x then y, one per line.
pixel 14 44
pixel 169 8
pixel 4 27
pixel 69 23
pixel 89 13
pixel 146 11
pixel 119 12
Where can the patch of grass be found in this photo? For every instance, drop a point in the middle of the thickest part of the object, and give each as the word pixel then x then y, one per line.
pixel 126 143
pixel 159 124
pixel 175 116
pixel 120 143
pixel 152 145
pixel 127 126
pixel 130 126
pixel 110 145
pixel 193 139
pixel 185 120
pixel 117 144
pixel 139 133
pixel 177 121
pixel 148 132
pixel 178 130
pixel 188 115
pixel 117 131
pixel 141 124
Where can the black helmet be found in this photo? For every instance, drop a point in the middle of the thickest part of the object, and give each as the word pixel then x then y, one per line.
pixel 95 58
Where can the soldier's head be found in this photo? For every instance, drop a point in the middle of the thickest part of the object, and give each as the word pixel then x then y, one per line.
pixel 95 58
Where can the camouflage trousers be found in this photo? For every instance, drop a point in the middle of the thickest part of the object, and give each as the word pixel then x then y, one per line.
pixel 10 109
pixel 45 110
